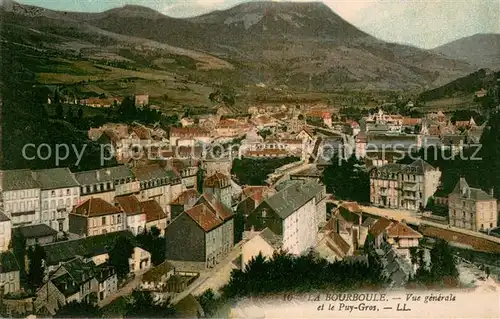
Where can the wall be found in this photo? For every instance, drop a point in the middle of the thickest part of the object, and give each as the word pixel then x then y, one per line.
pixel 5 235
pixel 253 247
pixel 27 200
pixel 185 240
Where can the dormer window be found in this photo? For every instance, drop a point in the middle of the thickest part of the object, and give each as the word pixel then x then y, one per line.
pixel 264 213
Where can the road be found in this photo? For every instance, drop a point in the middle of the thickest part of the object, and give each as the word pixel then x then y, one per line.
pixel 213 278
pixel 124 291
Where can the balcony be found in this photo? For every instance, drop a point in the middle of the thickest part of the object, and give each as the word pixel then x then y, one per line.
pixel 409 186
pixel 128 188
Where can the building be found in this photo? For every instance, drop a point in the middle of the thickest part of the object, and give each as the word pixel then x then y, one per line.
pixel 398 235
pixel 403 186
pixel 183 202
pixel 96 249
pixel 472 208
pixel 96 216
pixel 141 100
pixel 203 233
pixel 189 136
pixel 155 182
pixel 107 281
pixel 107 183
pixel 265 242
pixel 9 273
pixel 5 232
pixel 156 278
pixel 136 218
pixel 60 192
pixel 186 169
pixel 40 234
pixel 155 216
pixel 20 197
pixel 290 213
pixel 219 185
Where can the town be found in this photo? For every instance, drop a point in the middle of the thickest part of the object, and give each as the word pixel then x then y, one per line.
pixel 176 211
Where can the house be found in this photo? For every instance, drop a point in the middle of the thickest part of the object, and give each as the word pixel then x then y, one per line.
pixel 60 192
pixel 72 281
pixel 290 213
pixel 189 136
pixel 251 197
pixel 40 234
pixel 203 233
pixel 397 234
pixel 107 281
pixel 187 122
pixel 136 218
pixel 219 185
pixel 5 232
pixel 183 202
pixel 155 216
pixel 107 183
pixel 403 186
pixel 360 142
pixel 156 278
pixel 94 248
pixel 98 102
pixel 186 169
pixel 155 182
pixel 9 273
pixel 333 247
pixel 96 216
pixel 20 197
pixel 265 242
pixel 481 93
pixel 212 163
pixel 141 100
pixel 472 208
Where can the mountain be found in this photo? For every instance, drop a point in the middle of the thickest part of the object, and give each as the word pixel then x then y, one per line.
pixel 301 45
pixel 481 50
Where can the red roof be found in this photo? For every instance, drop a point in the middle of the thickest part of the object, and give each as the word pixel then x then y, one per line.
pixel 186 196
pixel 217 180
pixel 95 207
pixel 380 226
pixel 129 204
pixel 222 212
pixel 255 192
pixel 152 210
pixel 188 132
pixel 400 230
pixel 204 217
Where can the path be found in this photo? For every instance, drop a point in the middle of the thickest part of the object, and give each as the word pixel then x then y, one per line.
pixel 124 291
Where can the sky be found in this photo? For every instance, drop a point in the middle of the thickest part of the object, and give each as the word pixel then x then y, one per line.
pixel 423 23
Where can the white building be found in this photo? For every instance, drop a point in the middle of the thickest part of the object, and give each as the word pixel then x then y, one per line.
pixel 155 184
pixel 265 243
pixel 404 186
pixel 60 192
pixel 136 218
pixel 5 232
pixel 20 197
pixel 292 214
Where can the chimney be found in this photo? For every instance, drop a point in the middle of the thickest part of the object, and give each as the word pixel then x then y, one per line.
pixel 97 175
pixel 492 191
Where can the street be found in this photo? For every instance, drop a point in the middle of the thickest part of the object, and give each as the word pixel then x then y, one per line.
pixel 124 291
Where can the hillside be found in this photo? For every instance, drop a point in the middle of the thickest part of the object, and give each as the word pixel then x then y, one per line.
pixel 481 50
pixel 301 45
pixel 463 87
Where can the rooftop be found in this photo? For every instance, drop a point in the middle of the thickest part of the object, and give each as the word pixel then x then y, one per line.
pixel 93 207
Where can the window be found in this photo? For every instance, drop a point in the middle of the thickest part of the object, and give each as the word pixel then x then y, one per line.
pixel 104 231
pixel 103 220
pixel 61 226
pixel 53 193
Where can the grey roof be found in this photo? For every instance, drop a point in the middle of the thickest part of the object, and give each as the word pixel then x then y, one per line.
pixel 468 192
pixel 18 179
pixel 288 200
pixel 84 247
pixel 284 184
pixel 271 238
pixel 55 178
pixel 8 262
pixel 109 174
pixel 36 231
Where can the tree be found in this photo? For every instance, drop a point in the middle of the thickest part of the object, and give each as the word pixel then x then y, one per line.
pixel 152 242
pixel 80 114
pixel 59 111
pixel 78 310
pixel 36 256
pixel 487 271
pixel 19 248
pixel 142 305
pixel 209 302
pixel 69 113
pixel 119 256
